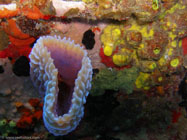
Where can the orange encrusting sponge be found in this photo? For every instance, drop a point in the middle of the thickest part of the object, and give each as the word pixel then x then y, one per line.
pixel 11 29
pixel 5 13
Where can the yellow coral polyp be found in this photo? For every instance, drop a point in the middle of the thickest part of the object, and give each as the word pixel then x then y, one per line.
pixel 180 43
pixel 135 27
pixel 146 88
pixel 174 43
pixel 172 36
pixel 116 33
pixel 144 31
pixel 142 45
pixel 120 41
pixel 119 60
pixel 175 7
pixel 155 5
pixel 141 81
pixel 172 25
pixel 175 62
pixel 170 52
pixel 152 66
pixel 162 61
pixel 160 79
pixel 111 38
pixel 123 50
pixel 156 51
pixel 181 32
pixel 168 23
pixel 108 50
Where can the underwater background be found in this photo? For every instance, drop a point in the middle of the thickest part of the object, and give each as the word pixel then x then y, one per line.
pixel 93 69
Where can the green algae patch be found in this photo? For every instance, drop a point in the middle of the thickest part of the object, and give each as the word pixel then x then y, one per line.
pixel 112 79
pixel 7 128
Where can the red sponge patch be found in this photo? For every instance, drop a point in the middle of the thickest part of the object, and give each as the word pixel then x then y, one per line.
pixel 184 45
pixel 107 60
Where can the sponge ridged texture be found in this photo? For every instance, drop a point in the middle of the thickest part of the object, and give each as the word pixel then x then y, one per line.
pixel 44 76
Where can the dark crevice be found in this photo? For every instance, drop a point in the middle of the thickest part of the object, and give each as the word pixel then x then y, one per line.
pixel 64 98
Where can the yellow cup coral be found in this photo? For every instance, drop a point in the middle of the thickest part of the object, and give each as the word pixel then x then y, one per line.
pixel 174 62
pixel 119 60
pixel 108 50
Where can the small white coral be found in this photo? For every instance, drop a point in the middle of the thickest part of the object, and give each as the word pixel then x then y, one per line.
pixel 11 6
pixel 62 7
